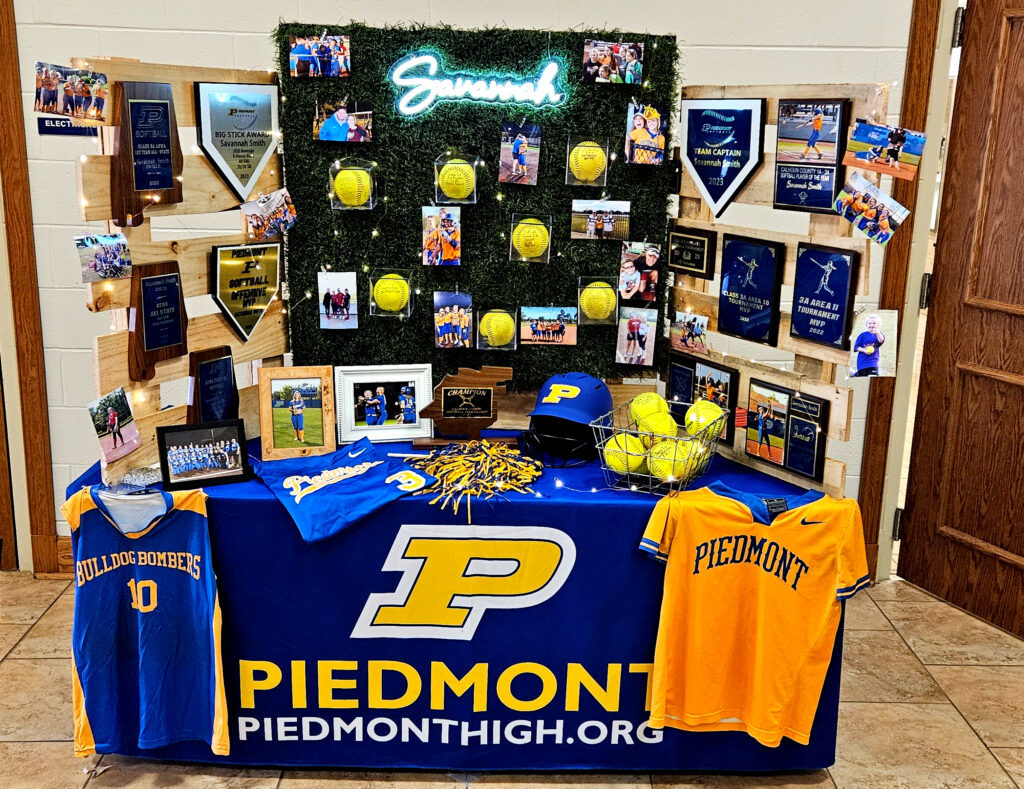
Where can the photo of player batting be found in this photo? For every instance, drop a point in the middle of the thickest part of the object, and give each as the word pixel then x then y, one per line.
pixel 890 150
pixel 766 412
pixel 645 134
pixel 547 325
pixel 808 131
pixel 385 403
pixel 298 413
pixel 637 330
pixel 114 423
pixel 442 236
pixel 520 154
pixel 343 121
pixel 453 319
pixel 600 220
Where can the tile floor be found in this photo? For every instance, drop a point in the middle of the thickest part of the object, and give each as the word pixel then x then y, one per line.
pixel 931 697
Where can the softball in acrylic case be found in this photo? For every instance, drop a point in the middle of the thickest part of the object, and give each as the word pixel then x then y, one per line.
pixel 530 238
pixel 391 294
pixel 455 177
pixel 598 301
pixel 352 184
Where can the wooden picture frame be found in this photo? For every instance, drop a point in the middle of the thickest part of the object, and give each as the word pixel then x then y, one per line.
pixel 197 360
pixel 236 466
pixel 161 279
pixel 686 242
pixel 391 378
pixel 280 444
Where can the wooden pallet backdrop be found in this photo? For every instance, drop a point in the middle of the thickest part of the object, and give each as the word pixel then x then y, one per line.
pixel 814 365
pixel 204 192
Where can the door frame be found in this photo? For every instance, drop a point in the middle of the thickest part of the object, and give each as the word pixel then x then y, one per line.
pixel 21 336
pixel 929 51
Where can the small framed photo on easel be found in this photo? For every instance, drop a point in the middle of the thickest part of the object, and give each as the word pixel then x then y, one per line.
pixel 296 411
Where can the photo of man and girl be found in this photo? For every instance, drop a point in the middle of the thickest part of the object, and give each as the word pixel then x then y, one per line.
pixel 638 273
pixel 343 121
pixel 336 291
pixel 615 62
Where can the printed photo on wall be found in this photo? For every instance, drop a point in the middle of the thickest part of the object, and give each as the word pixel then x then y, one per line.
pixel 869 209
pixel 873 347
pixel 453 319
pixel 890 150
pixel 442 236
pixel 343 121
pixel 618 62
pixel 380 403
pixel 520 154
pixel 809 144
pixel 645 133
pixel 77 94
pixel 336 291
pixel 638 273
pixel 114 423
pixel 637 330
pixel 547 325
pixel 104 257
pixel 765 421
pixel 319 56
pixel 600 220
pixel 689 332
pixel 270 215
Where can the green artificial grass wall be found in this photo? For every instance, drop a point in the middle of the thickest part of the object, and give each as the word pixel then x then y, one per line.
pixel 405 149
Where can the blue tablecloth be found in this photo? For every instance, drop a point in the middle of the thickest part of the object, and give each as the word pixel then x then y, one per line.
pixel 285 602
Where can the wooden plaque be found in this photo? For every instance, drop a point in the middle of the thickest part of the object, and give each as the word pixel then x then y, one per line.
pixel 147 161
pixel 313 432
pixel 212 390
pixel 463 403
pixel 157 323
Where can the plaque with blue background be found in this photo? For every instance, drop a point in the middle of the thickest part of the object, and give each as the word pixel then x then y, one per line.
pixel 722 143
pixel 151 144
pixel 823 293
pixel 806 434
pixel 808 153
pixel 215 390
pixel 680 387
pixel 162 306
pixel 748 304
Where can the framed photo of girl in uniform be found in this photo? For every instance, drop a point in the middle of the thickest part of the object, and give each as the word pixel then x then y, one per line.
pixel 296 411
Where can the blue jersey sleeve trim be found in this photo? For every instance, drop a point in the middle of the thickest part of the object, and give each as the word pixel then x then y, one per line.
pixel 850 591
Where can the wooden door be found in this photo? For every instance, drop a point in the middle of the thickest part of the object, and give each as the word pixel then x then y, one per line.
pixel 964 515
pixel 8 552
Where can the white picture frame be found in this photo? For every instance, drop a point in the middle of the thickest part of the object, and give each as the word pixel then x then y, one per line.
pixel 354 415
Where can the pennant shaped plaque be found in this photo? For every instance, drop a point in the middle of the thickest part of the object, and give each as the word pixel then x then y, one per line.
pixel 722 146
pixel 237 130
pixel 245 280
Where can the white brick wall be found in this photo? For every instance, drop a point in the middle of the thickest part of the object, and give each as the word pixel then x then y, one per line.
pixel 742 42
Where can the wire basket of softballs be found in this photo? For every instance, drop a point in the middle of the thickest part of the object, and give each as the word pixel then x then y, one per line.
pixel 642 447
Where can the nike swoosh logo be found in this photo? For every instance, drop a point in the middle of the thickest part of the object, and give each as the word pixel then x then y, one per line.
pixel 805 522
pixel 357 454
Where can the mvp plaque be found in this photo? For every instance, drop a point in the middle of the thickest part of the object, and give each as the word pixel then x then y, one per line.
pixel 245 281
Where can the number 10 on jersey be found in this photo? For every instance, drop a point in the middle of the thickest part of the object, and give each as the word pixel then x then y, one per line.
pixel 143 595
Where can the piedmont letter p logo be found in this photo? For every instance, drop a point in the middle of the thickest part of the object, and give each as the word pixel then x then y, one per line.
pixel 559 392
pixel 452 574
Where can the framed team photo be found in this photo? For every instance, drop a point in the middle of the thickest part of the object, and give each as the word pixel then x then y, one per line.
pixel 890 150
pixel 689 332
pixel 810 144
pixel 269 215
pixel 338 303
pixel 638 273
pixel 646 125
pixel 520 154
pixel 343 121
pixel 114 423
pixel 296 411
pixel 548 325
pixel 453 319
pixel 691 251
pixel 613 62
pixel 442 235
pixel 197 456
pixel 764 419
pixel 638 328
pixel 870 210
pixel 600 220
pixel 319 56
pixel 104 257
pixel 382 402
